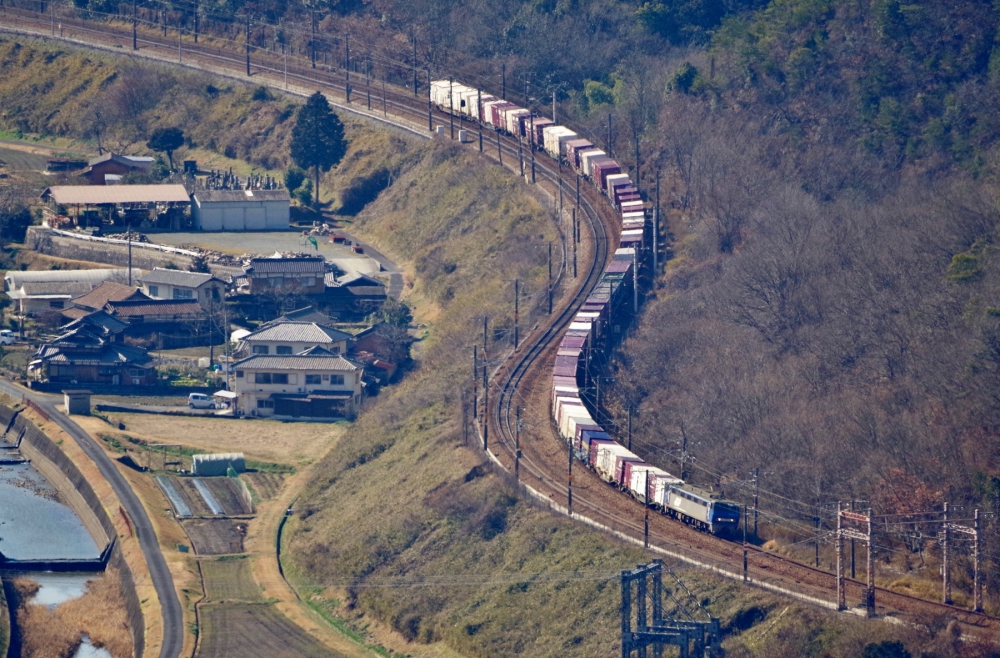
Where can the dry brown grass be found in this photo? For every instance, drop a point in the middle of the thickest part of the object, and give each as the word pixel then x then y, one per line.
pixel 263 440
pixel 56 633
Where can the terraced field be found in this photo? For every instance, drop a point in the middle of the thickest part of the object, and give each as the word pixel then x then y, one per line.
pixel 16 160
pixel 251 630
pixel 228 579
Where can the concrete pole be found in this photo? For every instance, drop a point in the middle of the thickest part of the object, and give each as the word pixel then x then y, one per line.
pixel 946 560
pixel 870 594
pixel 977 582
pixel 841 598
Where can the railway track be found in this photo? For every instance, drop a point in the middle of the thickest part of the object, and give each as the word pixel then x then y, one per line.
pixel 523 376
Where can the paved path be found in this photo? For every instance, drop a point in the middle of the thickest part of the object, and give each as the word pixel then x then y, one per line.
pixel 173 618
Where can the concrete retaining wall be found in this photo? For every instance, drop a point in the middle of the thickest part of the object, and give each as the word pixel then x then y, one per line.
pixel 67 479
pixel 46 241
pixel 4 623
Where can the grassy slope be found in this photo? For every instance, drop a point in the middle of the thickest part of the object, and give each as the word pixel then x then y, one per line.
pixel 402 498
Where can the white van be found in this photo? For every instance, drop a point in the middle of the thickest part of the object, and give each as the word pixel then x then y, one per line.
pixel 7 337
pixel 200 401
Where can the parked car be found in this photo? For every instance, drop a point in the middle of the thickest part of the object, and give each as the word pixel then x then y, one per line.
pixel 7 337
pixel 200 401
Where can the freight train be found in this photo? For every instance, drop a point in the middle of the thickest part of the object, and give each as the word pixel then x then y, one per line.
pixel 607 309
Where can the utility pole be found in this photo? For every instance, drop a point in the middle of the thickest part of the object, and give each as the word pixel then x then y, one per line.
pixel 196 21
pixel 312 39
pixel 135 26
pixel 520 155
pixel 870 594
pixel 554 106
pixel 635 281
pixel 479 114
pixel 645 532
pixel 451 106
pixel 569 482
pixel 368 83
pixel 945 560
pixel 684 460
pixel 816 541
pixel 576 230
pixel 430 117
pixel 516 298
pixel 756 492
pixel 630 432
pixel 486 391
pixel 609 135
pixel 475 383
pixel 413 37
pixel 347 69
pixel 503 81
pixel 550 271
pixel 853 571
pixel 517 443
pixel 977 582
pixel 578 191
pixel 129 237
pixel 841 598
pixel 746 546
pixel 385 111
pixel 656 229
pixel 248 45
pixel 500 152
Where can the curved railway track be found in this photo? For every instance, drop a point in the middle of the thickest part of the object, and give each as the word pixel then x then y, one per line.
pixel 523 375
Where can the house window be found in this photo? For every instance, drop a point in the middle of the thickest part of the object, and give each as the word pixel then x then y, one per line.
pixel 183 294
pixel 58 303
pixel 279 378
pixel 336 380
pixel 336 349
pixel 136 372
pixel 239 374
pixel 154 291
pixel 312 379
pixel 215 293
pixel 309 282
pixel 260 349
pixel 262 378
pixel 283 349
pixel 265 404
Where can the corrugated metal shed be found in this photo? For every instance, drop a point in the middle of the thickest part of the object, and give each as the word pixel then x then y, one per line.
pixel 91 195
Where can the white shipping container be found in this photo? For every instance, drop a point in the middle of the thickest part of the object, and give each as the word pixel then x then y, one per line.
pixel 659 481
pixel 579 326
pixel 554 137
pixel 607 455
pixel 439 93
pixel 617 179
pixel 633 215
pixel 487 110
pixel 572 417
pixel 587 156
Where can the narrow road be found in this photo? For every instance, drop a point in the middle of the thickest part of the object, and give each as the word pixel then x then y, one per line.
pixel 163 581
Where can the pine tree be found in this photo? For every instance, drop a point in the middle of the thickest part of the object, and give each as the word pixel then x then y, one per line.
pixel 317 138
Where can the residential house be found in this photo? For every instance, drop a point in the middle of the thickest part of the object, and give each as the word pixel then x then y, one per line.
pixel 303 275
pixel 55 290
pixel 307 314
pixel 314 384
pixel 90 351
pixel 112 164
pixel 284 338
pixel 240 210
pixel 356 292
pixel 161 283
pixel 168 323
pixel 99 297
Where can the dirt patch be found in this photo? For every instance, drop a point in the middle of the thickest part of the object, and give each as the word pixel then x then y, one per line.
pixel 265 485
pixel 229 579
pixel 227 493
pixel 254 631
pixel 99 614
pixel 215 536
pixel 263 440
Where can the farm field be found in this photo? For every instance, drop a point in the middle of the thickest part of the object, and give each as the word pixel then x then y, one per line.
pixel 215 536
pixel 17 160
pixel 229 579
pixel 266 485
pixel 254 631
pixel 264 440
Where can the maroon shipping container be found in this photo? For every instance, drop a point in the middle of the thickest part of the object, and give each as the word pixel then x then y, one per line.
pixel 565 371
pixel 604 169
pixel 563 381
pixel 572 341
pixel 620 464
pixel 569 351
pixel 566 361
pixel 496 114
pixel 594 445
pixel 572 150
pixel 623 193
pixel 540 124
pixel 631 197
pixel 619 267
pixel 578 438
pixel 632 466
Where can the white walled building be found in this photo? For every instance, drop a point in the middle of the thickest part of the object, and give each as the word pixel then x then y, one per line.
pixel 240 210
pixel 313 384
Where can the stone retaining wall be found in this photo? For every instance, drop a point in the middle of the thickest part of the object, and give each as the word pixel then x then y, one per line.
pixel 45 241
